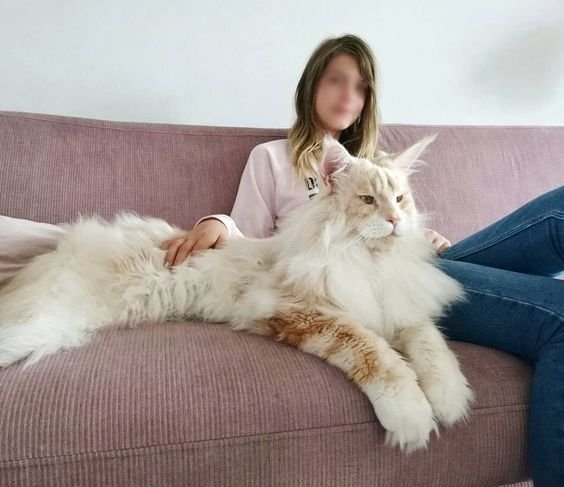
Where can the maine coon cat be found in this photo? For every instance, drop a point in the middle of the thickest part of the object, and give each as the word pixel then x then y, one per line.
pixel 348 277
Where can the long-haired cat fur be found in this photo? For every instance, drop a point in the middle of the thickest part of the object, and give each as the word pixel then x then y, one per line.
pixel 348 277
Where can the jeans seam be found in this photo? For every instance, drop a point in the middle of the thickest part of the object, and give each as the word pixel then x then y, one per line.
pixel 561 317
pixel 549 311
pixel 529 223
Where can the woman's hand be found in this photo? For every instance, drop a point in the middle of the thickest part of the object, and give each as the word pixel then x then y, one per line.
pixel 207 234
pixel 437 240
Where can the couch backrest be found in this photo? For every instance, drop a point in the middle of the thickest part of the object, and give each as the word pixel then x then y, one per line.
pixel 53 168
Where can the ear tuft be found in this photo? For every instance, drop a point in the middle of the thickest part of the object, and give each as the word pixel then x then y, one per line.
pixel 335 158
pixel 407 158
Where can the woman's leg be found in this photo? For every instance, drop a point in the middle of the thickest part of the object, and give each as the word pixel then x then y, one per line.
pixel 512 309
pixel 528 240
pixel 521 314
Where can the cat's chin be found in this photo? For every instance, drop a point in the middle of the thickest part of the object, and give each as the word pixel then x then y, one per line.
pixel 385 242
pixel 381 244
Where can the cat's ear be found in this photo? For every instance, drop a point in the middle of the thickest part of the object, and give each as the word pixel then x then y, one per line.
pixel 407 158
pixel 335 159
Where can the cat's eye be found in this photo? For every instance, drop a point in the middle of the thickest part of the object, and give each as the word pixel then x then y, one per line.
pixel 369 200
pixel 399 198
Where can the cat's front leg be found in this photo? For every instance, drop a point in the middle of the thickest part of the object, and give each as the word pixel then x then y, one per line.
pixel 368 360
pixel 438 371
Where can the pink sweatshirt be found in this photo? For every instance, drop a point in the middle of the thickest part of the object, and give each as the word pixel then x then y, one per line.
pixel 268 190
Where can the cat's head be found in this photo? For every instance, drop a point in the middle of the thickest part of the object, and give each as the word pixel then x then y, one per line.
pixel 374 195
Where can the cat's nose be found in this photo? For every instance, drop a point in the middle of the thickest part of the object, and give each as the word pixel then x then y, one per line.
pixel 393 220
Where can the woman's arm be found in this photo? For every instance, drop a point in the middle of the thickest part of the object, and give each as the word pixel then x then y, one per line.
pixel 253 213
pixel 254 209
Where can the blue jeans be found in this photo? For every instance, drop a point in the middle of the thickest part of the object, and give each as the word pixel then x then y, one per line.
pixel 514 304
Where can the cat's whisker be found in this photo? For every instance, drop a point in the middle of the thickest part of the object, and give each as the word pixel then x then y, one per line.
pixel 360 237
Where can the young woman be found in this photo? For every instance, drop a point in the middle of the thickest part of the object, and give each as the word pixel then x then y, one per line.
pixel 506 269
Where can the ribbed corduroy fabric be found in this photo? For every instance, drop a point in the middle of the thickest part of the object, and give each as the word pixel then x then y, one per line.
pixel 199 404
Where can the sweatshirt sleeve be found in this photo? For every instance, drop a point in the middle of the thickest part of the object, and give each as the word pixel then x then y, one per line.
pixel 254 210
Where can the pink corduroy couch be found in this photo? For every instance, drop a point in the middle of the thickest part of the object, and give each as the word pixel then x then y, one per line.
pixel 197 404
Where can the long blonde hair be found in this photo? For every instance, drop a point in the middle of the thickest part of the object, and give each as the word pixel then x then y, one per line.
pixel 306 134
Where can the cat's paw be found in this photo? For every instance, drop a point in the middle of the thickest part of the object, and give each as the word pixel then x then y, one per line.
pixel 408 418
pixel 450 398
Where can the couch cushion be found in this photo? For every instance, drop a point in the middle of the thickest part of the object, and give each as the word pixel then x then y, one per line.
pixel 200 404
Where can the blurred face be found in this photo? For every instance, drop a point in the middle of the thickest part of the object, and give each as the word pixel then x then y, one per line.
pixel 341 93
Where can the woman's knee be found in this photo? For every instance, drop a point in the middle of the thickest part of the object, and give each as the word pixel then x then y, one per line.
pixel 515 312
pixel 553 200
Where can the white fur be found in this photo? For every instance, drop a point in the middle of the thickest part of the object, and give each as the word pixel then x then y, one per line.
pixel 111 274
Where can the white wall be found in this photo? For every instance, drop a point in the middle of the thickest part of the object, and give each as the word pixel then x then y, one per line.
pixel 237 63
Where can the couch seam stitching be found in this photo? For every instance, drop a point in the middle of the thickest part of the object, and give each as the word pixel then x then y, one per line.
pixel 253 438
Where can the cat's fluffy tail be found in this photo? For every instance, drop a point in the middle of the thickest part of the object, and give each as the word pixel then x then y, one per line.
pixel 104 274
pixel 62 296
pixel 36 338
pixel 37 316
